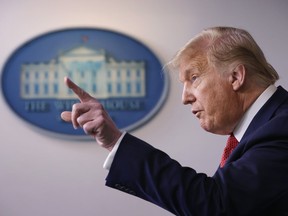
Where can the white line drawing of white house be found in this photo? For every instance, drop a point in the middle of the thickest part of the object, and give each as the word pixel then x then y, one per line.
pixel 100 75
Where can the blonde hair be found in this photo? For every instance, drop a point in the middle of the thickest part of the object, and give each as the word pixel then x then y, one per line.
pixel 222 46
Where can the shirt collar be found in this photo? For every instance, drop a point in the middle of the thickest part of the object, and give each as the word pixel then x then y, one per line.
pixel 252 111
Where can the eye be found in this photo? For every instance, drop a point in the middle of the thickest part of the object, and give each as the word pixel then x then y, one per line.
pixel 194 78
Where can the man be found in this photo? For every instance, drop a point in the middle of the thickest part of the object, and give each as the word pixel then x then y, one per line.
pixel 230 87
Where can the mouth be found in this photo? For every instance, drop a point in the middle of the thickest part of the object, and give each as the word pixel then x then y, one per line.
pixel 196 113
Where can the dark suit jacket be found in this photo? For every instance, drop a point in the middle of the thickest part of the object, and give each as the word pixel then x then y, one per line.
pixel 253 182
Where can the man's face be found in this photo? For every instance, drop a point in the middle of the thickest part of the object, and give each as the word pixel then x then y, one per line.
pixel 211 96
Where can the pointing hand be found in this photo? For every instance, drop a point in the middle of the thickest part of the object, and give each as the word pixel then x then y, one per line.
pixel 92 117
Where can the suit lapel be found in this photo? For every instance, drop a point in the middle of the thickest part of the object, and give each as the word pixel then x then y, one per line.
pixel 264 115
pixel 267 111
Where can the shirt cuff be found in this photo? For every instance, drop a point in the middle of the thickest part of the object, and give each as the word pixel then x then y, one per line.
pixel 108 162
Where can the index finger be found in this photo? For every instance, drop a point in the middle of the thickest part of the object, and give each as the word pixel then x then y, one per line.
pixel 82 95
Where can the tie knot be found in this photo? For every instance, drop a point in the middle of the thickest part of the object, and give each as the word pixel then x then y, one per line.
pixel 232 141
pixel 231 144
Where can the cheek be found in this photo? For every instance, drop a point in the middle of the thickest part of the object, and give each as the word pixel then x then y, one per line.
pixel 212 100
pixel 213 95
pixel 219 94
pixel 216 104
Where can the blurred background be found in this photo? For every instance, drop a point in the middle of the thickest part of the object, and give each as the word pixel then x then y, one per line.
pixel 44 175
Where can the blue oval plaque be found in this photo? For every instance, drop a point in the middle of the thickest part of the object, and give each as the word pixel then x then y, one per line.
pixel 118 70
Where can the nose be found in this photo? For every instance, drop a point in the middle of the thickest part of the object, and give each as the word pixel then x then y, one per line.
pixel 187 95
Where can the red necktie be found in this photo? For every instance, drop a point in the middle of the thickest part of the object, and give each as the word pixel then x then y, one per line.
pixel 232 142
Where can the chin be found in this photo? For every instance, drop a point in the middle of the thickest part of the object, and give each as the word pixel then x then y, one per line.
pixel 206 127
pixel 213 130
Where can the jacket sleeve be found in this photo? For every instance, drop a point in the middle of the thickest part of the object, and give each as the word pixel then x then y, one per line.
pixel 146 172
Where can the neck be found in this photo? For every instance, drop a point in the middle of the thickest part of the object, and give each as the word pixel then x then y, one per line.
pixel 247 98
pixel 250 96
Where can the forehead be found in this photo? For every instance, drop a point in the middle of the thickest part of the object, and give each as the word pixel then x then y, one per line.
pixel 190 64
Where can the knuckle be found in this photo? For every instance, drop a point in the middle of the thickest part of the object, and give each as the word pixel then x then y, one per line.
pixel 89 128
pixel 99 106
pixel 79 120
pixel 86 129
pixel 75 107
pixel 101 119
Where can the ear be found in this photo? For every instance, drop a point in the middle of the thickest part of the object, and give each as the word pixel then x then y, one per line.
pixel 238 76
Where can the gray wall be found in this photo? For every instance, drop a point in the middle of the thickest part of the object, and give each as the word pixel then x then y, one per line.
pixel 42 175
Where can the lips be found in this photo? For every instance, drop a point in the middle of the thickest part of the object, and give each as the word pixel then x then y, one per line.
pixel 196 113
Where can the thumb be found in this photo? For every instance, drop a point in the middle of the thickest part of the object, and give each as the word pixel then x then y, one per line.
pixel 66 116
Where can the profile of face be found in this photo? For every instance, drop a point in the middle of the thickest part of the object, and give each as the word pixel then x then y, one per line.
pixel 211 94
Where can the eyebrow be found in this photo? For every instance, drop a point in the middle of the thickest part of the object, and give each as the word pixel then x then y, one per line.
pixel 187 73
